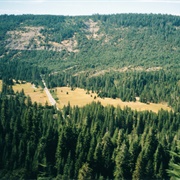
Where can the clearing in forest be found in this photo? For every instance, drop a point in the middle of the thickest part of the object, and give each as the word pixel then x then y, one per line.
pixel 80 97
pixel 37 94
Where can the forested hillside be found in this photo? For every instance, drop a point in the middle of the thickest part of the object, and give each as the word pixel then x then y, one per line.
pixel 126 56
pixel 123 55
pixel 93 142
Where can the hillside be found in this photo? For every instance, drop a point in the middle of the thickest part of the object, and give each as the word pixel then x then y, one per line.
pixel 124 55
pixel 98 42
pixel 96 62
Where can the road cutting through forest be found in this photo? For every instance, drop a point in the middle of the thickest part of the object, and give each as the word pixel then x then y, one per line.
pixel 51 99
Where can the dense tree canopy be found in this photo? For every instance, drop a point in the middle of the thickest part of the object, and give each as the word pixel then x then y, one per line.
pixel 129 56
pixel 125 56
pixel 87 143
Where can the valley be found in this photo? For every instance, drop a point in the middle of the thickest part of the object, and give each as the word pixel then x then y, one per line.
pixel 116 82
pixel 80 97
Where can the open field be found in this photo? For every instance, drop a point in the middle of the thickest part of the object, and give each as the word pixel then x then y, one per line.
pixel 37 94
pixel 81 98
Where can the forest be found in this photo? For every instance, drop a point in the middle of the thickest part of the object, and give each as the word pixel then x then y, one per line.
pixel 119 56
pixel 93 142
pixel 122 55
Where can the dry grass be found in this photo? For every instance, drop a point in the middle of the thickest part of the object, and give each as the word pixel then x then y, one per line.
pixel 81 98
pixel 37 94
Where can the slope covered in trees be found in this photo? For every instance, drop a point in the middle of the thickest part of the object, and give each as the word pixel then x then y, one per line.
pixel 93 142
pixel 124 56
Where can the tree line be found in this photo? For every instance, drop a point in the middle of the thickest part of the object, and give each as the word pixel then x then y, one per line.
pixel 155 86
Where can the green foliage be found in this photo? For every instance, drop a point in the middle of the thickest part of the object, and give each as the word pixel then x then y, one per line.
pixel 90 142
pixel 174 171
pixel 85 172
pixel 134 55
pixel 122 62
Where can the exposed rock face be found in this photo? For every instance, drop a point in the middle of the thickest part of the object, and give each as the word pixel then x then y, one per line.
pixel 92 29
pixel 31 38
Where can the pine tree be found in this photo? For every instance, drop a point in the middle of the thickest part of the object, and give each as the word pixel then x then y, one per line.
pixel 139 172
pixel 158 160
pixel 98 159
pixel 122 163
pixel 85 173
pixel 107 151
pixel 174 171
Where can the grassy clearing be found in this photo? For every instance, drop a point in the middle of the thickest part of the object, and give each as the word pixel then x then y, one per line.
pixel 37 94
pixel 81 98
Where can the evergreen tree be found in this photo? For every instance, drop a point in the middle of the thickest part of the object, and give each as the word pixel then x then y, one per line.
pixel 85 172
pixel 174 171
pixel 139 172
pixel 122 163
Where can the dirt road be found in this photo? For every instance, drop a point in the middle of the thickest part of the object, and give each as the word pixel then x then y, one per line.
pixel 51 99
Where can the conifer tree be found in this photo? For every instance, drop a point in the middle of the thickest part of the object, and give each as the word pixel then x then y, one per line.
pixel 139 172
pixel 85 173
pixel 122 163
pixel 174 171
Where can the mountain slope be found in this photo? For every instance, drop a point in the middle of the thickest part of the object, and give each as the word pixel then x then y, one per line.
pixel 114 40
pixel 123 55
pixel 134 57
